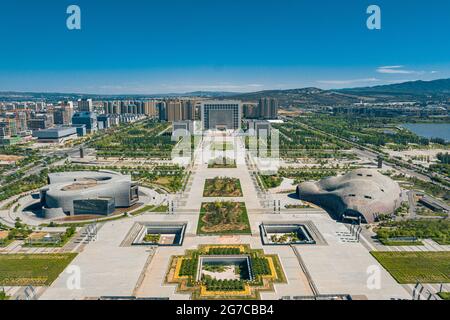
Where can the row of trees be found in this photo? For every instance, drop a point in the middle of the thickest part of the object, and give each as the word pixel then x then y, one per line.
pixel 444 158
pixel 213 284
pixel 224 251
pixel 260 266
pixel 296 136
pixel 135 141
pixel 436 229
pixel 367 130
pixel 24 184
pixel 189 267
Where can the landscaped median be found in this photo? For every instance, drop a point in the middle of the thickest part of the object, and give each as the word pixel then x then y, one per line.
pixel 222 146
pixel 225 272
pixel 3 296
pixel 150 208
pixel 444 295
pixel 222 163
pixel 413 267
pixel 32 269
pixel 410 232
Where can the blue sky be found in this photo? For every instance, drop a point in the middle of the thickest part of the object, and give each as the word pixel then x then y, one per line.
pixel 160 46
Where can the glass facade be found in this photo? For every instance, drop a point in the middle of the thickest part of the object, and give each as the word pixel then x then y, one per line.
pixel 104 206
pixel 221 116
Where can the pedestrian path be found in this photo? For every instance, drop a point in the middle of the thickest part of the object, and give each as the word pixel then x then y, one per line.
pixel 428 246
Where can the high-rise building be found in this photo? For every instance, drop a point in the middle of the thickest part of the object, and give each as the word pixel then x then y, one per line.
pixel 63 114
pixel 8 127
pixel 162 111
pixel 123 107
pixel 273 109
pixel 188 107
pixel 251 111
pixel 21 120
pixel 89 119
pixel 150 108
pixel 268 108
pixel 108 107
pixel 179 110
pixel 174 110
pixel 40 121
pixel 85 105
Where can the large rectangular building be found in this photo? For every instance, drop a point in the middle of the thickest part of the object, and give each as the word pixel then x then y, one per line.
pixel 221 115
pixel 85 105
pixel 89 119
pixel 58 134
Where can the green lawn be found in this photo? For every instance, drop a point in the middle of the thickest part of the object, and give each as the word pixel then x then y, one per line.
pixel 444 295
pixel 222 163
pixel 412 267
pixel 32 269
pixel 400 243
pixel 150 208
pixel 222 146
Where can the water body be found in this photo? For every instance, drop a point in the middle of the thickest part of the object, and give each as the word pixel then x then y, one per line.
pixel 430 130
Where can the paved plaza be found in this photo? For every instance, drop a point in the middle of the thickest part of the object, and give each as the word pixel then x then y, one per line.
pixel 335 265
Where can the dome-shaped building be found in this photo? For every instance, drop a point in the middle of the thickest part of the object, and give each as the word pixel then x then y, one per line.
pixel 361 194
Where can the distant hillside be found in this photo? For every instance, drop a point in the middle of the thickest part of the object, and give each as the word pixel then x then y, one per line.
pixel 415 90
pixel 435 89
pixel 303 97
pixel 54 96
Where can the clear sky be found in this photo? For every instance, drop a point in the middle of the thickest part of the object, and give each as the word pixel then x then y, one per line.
pixel 161 46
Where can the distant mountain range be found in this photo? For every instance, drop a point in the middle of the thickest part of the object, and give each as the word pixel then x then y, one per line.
pixel 422 89
pixel 14 95
pixel 436 90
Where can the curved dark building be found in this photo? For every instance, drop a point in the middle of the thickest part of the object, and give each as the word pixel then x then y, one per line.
pixel 361 194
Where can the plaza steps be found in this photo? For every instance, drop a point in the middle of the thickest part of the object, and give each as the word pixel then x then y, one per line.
pixel 311 283
pixel 80 240
pixel 131 235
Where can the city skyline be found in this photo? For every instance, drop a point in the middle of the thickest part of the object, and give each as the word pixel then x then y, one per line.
pixel 162 47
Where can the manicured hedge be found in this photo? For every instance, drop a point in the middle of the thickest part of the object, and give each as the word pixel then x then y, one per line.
pixel 260 266
pixel 224 251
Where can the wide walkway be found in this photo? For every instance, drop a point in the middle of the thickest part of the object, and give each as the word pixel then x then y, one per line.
pixel 201 172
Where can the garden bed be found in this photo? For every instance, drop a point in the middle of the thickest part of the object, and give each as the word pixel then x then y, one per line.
pixel 222 187
pixel 223 218
pixel 225 272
